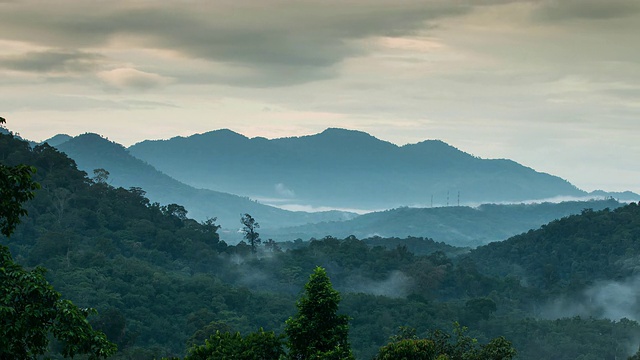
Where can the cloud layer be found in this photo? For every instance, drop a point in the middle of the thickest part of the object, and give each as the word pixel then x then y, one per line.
pixel 553 84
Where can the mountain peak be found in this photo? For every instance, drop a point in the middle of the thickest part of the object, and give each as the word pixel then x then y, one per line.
pixel 92 141
pixel 343 132
pixel 221 132
pixel 58 139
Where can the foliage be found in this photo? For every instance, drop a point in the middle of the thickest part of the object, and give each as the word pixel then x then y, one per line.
pixel 414 349
pixel 30 309
pixel 249 226
pixel 317 331
pixel 16 187
pixel 258 345
pixel 440 345
pixel 571 252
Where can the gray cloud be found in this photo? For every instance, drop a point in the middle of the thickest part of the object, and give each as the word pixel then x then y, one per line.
pixel 59 61
pixel 273 37
pixel 556 10
pixel 76 103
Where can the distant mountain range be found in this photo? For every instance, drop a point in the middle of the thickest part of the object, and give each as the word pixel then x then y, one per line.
pixel 91 151
pixel 454 225
pixel 231 153
pixel 346 169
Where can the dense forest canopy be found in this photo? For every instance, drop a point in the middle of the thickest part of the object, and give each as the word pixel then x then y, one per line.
pixel 162 282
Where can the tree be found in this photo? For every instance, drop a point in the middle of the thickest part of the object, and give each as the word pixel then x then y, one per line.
pixel 414 349
pixel 100 176
pixel 175 210
pixel 260 345
pixel 249 226
pixel 31 311
pixel 317 331
pixel 16 187
pixel 440 345
pixel 272 246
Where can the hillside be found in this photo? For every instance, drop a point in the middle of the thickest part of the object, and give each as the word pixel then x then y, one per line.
pixel 346 169
pixel 91 151
pixel 161 281
pixel 571 252
pixel 454 225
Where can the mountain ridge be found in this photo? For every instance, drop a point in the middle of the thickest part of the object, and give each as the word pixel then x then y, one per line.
pixel 348 168
pixel 91 151
pixel 454 225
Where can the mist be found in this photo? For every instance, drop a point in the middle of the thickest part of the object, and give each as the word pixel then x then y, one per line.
pixel 613 300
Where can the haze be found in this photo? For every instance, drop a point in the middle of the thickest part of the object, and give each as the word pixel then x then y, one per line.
pixel 550 84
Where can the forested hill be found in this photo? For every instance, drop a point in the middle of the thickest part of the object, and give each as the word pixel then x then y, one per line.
pixel 91 151
pixel 342 168
pixel 162 281
pixel 571 252
pixel 454 225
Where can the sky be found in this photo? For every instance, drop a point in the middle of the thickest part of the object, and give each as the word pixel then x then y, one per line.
pixel 551 84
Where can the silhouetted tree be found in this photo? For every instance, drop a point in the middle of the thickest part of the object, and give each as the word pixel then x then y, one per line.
pixel 249 229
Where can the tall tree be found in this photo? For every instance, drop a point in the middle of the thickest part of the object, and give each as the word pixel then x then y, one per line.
pixel 317 331
pixel 249 226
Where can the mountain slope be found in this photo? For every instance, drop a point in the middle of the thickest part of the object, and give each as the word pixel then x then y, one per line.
pixel 160 281
pixel 579 249
pixel 91 151
pixel 58 139
pixel 344 168
pixel 455 225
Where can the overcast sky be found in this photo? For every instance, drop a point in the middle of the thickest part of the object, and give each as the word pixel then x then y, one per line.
pixel 554 85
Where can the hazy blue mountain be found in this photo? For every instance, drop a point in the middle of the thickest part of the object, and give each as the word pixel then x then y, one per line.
pixel 348 169
pixel 58 139
pixel 91 151
pixel 620 195
pixel 454 225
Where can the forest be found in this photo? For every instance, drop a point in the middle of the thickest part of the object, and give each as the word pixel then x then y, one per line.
pixel 165 285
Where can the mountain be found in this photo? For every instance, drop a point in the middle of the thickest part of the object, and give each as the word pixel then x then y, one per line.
pixel 346 169
pixel 626 196
pixel 58 139
pixel 575 251
pixel 161 282
pixel 454 225
pixel 91 151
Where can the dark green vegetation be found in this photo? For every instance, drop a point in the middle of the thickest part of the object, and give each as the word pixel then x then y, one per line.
pixel 317 331
pixel 162 282
pixel 32 313
pixel 442 346
pixel 579 250
pixel 342 168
